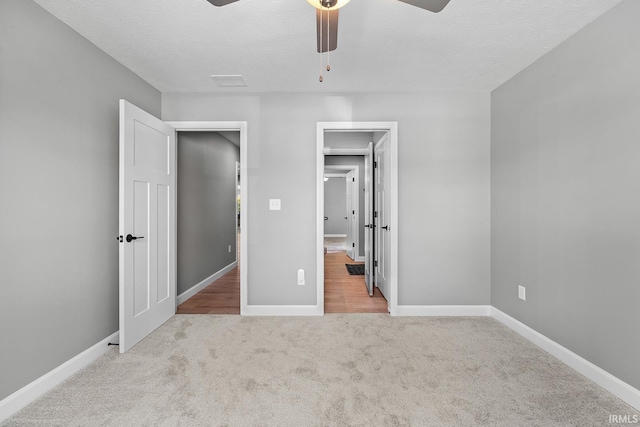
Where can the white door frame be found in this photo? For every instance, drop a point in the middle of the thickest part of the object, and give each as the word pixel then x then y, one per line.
pixel 238 193
pixel 242 128
pixel 392 128
pixel 342 173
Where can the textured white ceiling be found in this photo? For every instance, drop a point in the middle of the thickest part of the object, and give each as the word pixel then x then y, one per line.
pixel 383 45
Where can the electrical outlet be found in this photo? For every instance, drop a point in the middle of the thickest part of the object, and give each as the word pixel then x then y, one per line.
pixel 301 277
pixel 522 293
pixel 229 248
pixel 274 204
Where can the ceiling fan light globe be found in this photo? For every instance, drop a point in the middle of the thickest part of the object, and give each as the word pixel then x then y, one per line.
pixel 318 5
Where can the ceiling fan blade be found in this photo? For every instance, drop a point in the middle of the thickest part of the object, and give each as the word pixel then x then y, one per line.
pixel 328 29
pixel 221 2
pixel 430 5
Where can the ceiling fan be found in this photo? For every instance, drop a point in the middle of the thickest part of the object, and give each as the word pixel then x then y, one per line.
pixel 327 18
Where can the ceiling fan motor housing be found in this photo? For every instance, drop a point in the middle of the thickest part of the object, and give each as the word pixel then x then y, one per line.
pixel 328 3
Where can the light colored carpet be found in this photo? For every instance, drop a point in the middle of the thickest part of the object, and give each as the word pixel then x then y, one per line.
pixel 339 370
pixel 335 244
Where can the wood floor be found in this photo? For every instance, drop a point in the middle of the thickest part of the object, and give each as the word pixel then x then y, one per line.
pixel 342 293
pixel 220 297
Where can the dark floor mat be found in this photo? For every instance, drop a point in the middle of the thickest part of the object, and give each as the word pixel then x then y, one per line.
pixel 355 269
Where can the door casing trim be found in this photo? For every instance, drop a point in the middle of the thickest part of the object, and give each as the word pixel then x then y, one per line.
pixel 392 128
pixel 241 127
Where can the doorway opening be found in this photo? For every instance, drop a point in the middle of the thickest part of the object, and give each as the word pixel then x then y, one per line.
pixel 212 232
pixel 208 241
pixel 363 156
pixel 342 209
pixel 345 205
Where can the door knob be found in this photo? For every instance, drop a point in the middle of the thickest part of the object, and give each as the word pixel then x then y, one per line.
pixel 386 227
pixel 129 238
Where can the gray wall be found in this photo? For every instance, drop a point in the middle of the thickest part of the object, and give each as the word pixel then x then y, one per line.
pixel 565 183
pixel 443 187
pixel 206 206
pixel 358 161
pixel 59 193
pixel 335 206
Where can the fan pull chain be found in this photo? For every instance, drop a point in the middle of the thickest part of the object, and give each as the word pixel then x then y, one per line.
pixel 321 31
pixel 328 39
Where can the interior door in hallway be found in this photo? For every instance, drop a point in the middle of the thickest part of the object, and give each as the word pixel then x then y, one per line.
pixel 381 217
pixel 352 220
pixel 368 219
pixel 147 224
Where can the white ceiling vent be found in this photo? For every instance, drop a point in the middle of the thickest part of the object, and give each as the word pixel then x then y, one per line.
pixel 229 80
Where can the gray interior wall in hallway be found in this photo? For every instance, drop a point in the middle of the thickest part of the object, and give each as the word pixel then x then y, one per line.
pixel 358 161
pixel 444 187
pixel 565 183
pixel 206 206
pixel 59 193
pixel 335 206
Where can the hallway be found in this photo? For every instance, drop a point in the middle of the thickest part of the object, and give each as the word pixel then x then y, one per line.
pixel 344 293
pixel 220 297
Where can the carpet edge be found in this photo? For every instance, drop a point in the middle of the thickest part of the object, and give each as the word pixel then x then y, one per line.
pixel 30 392
pixel 604 379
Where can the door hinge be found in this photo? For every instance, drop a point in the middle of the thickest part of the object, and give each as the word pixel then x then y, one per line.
pixel 354 212
pixel 353 179
pixel 353 245
pixel 375 165
pixel 375 263
pixel 375 214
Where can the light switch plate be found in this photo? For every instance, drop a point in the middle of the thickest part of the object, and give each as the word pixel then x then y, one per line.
pixel 274 204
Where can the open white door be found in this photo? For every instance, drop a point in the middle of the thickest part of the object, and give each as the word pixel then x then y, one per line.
pixel 351 229
pixel 368 219
pixel 382 242
pixel 147 224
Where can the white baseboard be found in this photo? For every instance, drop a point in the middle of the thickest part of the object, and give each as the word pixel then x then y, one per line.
pixel 443 310
pixel 27 394
pixel 335 235
pixel 612 384
pixel 203 284
pixel 282 310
